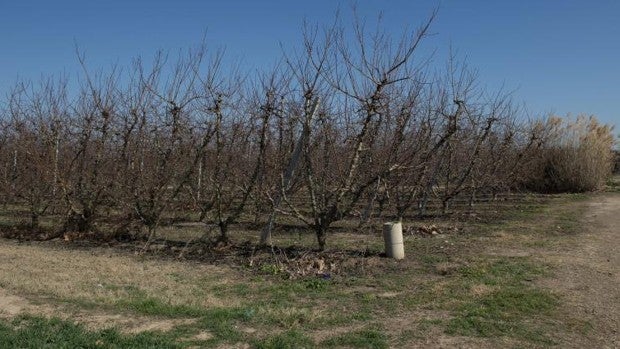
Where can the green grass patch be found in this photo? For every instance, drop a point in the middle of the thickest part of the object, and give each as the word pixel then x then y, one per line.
pixel 135 300
pixel 223 322
pixel 502 272
pixel 507 312
pixel 526 211
pixel 37 332
pixel 291 339
pixel 511 308
pixel 155 307
pixel 367 338
pixel 613 185
pixel 491 297
pixel 140 302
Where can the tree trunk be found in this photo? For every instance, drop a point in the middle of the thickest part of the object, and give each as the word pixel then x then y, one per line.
pixel 223 232
pixel 445 205
pixel 80 222
pixel 86 220
pixel 151 236
pixel 321 237
pixel 422 205
pixel 34 220
pixel 494 196
pixel 320 229
pixel 472 200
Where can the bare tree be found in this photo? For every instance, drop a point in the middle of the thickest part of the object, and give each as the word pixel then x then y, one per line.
pixel 307 68
pixel 160 145
pixel 235 164
pixel 34 114
pixel 88 173
pixel 342 164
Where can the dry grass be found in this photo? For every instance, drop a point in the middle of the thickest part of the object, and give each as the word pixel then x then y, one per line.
pixel 12 305
pixel 578 156
pixel 108 277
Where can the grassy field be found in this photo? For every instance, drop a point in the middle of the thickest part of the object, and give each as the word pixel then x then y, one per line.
pixel 477 283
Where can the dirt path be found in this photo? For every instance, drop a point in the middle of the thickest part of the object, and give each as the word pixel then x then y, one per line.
pixel 588 275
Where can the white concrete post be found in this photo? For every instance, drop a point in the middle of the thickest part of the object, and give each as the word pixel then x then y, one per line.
pixel 393 238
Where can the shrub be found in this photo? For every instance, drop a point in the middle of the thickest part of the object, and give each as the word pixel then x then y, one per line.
pixel 576 156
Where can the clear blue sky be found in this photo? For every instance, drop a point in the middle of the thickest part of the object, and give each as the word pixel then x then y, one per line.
pixel 560 55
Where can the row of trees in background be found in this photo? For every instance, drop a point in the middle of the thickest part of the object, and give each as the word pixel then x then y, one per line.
pixel 353 122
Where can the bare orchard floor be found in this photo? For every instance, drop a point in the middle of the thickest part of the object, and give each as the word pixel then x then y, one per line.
pixel 544 274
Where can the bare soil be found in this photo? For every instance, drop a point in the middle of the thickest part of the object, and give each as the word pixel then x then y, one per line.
pixel 587 275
